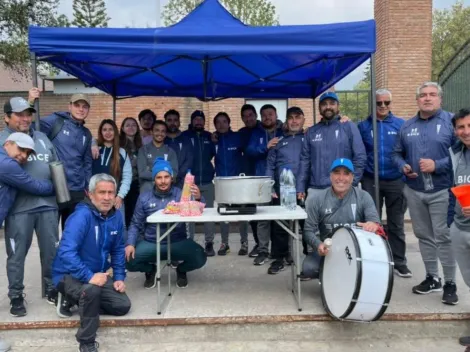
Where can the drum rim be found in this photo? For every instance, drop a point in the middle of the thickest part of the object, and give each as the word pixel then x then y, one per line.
pixel 357 289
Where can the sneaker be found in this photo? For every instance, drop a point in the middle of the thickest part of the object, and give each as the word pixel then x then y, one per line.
pixel 243 249
pixel 261 258
pixel 254 252
pixel 17 307
pixel 4 346
pixel 210 249
pixel 224 249
pixel 289 260
pixel 181 279
pixel 89 347
pixel 174 264
pixel 402 271
pixel 464 341
pixel 63 306
pixel 276 267
pixel 450 293
pixel 150 279
pixel 304 277
pixel 51 296
pixel 430 284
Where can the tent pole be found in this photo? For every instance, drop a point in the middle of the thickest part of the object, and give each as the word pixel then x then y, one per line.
pixel 34 73
pixel 314 111
pixel 114 108
pixel 374 131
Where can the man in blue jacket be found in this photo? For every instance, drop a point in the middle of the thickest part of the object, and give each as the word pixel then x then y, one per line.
pixel 286 154
pixel 15 151
pixel 202 169
pixel 422 154
pixel 72 140
pixel 228 162
pixel 390 178
pixel 30 213
pixel 325 142
pixel 262 139
pixel 180 144
pixel 91 244
pixel 141 254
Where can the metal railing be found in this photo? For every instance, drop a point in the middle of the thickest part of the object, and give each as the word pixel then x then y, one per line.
pixel 355 104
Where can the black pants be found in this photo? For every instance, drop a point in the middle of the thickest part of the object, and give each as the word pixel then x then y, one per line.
pixel 92 301
pixel 254 229
pixel 279 238
pixel 130 201
pixel 66 209
pixel 395 203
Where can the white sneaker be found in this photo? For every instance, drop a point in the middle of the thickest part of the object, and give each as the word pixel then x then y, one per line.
pixel 4 346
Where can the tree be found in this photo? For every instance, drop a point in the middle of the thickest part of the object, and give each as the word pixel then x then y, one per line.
pixel 355 103
pixel 15 16
pixel 90 13
pixel 251 12
pixel 450 30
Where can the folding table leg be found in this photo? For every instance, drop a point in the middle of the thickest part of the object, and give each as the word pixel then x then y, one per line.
pixel 168 262
pixel 298 264
pixel 159 304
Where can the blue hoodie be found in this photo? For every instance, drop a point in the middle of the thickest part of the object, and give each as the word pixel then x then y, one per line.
pixel 13 177
pixel 86 244
pixel 203 152
pixel 248 163
pixel 228 154
pixel 388 130
pixel 286 154
pixel 73 145
pixel 325 142
pixel 257 148
pixel 184 152
pixel 426 139
pixel 148 203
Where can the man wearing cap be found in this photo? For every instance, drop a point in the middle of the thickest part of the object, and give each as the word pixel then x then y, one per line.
pixel 421 153
pixel 30 213
pixel 72 140
pixel 390 178
pixel 203 170
pixel 141 254
pixel 338 205
pixel 326 141
pixel 286 154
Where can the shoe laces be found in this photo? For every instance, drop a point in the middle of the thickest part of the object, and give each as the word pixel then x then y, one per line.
pixel 18 300
pixel 90 347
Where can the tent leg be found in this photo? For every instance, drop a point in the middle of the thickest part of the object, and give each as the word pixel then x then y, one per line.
pixel 34 73
pixel 114 109
pixel 314 111
pixel 374 129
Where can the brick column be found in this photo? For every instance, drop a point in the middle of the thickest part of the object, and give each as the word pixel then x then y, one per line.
pixel 404 48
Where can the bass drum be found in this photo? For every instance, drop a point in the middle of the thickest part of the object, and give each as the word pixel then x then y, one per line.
pixel 357 275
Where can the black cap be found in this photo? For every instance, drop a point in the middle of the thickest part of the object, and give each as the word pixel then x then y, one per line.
pixel 197 113
pixel 294 110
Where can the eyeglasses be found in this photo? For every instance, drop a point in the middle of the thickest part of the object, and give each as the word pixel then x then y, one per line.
pixel 382 103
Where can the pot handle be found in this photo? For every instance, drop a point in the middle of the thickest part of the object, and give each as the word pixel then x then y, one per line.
pixel 270 182
pixel 242 174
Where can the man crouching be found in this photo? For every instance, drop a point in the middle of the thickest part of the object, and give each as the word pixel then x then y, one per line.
pixel 142 254
pixel 91 243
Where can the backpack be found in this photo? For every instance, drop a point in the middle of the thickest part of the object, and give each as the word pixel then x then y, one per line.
pixel 58 124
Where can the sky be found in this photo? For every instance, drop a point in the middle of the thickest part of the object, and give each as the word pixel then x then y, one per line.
pixel 143 13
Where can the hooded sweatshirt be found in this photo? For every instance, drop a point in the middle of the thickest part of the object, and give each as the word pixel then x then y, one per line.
pixel 181 145
pixel 228 154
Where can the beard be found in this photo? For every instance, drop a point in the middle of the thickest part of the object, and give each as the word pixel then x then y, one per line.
pixel 198 128
pixel 329 114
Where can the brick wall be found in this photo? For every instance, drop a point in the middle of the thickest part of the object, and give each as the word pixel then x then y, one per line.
pixel 102 107
pixel 404 46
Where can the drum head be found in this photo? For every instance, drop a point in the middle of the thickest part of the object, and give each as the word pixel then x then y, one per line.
pixel 340 274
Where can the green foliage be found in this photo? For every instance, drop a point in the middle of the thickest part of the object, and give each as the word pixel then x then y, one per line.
pixel 251 12
pixel 450 30
pixel 90 13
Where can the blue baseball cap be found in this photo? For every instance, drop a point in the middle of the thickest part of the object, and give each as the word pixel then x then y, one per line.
pixel 329 95
pixel 161 165
pixel 343 162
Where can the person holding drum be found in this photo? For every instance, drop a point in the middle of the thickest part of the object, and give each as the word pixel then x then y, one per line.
pixel 335 206
pixel 460 228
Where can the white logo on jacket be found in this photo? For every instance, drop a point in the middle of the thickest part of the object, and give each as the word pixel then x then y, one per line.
pixel 152 205
pixel 392 132
pixel 414 132
pixel 149 156
pixel 181 146
pixel 318 138
pixel 328 211
pixel 353 208
pixel 114 233
pixel 337 133
pixel 42 143
pixel 84 140
pixel 438 128
pixel 96 234
pixel 67 133
pixel 39 157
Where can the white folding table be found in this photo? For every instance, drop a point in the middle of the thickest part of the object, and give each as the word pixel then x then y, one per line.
pixel 273 213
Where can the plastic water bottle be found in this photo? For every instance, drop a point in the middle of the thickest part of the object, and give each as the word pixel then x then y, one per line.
pixel 291 194
pixel 427 180
pixel 282 187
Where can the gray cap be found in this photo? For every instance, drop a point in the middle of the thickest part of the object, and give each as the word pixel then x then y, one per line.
pixel 17 104
pixel 22 140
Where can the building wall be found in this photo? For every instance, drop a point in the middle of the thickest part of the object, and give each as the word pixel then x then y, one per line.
pixel 404 48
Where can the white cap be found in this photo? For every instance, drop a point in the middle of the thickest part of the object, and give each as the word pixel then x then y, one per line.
pixel 22 140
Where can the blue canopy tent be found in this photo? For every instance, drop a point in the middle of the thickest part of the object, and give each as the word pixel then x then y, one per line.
pixel 210 55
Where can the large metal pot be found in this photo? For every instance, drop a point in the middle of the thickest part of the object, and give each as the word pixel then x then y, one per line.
pixel 243 189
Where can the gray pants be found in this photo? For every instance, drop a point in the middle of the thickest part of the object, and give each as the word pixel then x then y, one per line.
pixel 461 247
pixel 311 265
pixel 207 191
pixel 225 229
pixel 429 219
pixel 18 238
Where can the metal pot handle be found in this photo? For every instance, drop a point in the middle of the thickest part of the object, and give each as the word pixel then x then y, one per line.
pixel 270 182
pixel 242 174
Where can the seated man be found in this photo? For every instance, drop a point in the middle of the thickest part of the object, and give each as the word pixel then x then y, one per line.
pixel 91 243
pixel 142 255
pixel 338 205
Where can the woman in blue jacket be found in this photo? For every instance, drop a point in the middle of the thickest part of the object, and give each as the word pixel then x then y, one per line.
pixel 141 254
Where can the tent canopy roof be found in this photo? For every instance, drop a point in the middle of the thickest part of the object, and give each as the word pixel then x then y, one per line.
pixel 210 55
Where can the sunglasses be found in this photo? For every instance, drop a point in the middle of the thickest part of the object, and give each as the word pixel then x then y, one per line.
pixel 382 103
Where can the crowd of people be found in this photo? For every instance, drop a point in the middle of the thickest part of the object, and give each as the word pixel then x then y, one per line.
pixel 124 175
